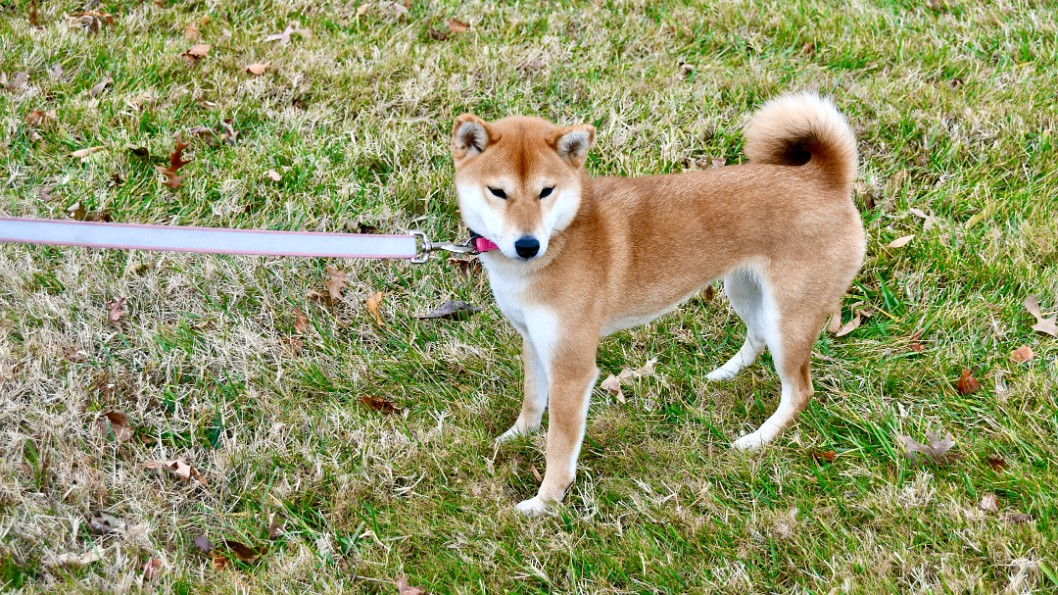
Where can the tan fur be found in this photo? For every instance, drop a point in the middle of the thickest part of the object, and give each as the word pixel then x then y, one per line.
pixel 782 230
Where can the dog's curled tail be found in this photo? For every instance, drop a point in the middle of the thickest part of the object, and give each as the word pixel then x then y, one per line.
pixel 803 129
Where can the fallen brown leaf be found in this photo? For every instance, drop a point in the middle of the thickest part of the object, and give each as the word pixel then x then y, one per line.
pixel 243 552
pixel 152 570
pixel 82 153
pixel 437 34
pixel 967 384
pixel 176 161
pixel 179 468
pixel 1043 325
pixel 93 555
pixel 335 283
pixel 937 451
pixel 928 220
pixel 457 26
pixel 116 423
pixel 19 82
pixel 373 304
pixel 451 309
pixel 1022 354
pixel 828 455
pixel 536 474
pixel 196 53
pixel 1017 518
pixel 709 293
pixel 276 527
pixel 274 175
pixel 102 523
pixel 39 118
pixel 301 322
pixel 284 37
pixel 901 241
pixel 380 404
pixel 93 20
pixel 257 69
pixel 403 588
pixel 468 267
pixel 915 345
pixel 989 503
pixel 100 86
pixel 33 14
pixel 204 544
pixel 116 311
pixel 997 463
pixel 849 326
pixel 612 385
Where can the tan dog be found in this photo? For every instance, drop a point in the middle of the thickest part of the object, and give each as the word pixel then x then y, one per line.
pixel 579 258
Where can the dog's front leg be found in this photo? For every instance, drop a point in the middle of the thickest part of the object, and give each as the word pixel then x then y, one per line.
pixel 572 375
pixel 535 394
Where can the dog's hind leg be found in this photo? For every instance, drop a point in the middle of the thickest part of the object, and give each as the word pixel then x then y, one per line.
pixel 744 293
pixel 535 394
pixel 790 335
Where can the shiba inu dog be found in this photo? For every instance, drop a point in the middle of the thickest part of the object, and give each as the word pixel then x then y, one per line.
pixel 577 258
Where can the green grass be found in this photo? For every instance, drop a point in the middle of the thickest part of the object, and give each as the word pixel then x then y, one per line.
pixel 953 106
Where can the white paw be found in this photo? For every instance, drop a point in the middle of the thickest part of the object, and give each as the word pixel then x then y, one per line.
pixel 532 507
pixel 720 374
pixel 750 441
pixel 513 433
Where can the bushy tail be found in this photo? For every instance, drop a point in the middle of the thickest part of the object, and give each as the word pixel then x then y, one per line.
pixel 803 129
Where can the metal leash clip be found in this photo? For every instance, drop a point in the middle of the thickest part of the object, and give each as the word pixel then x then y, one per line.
pixel 426 247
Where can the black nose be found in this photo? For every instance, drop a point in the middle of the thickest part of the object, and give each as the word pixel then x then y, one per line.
pixel 527 246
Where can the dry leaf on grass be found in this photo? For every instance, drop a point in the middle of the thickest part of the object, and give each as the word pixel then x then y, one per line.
pixel 1022 354
pixel 243 552
pixel 257 69
pixel 403 588
pixel 284 37
pixel 102 523
pixel 456 309
pixel 989 503
pixel 274 175
pixel 997 463
pixel 967 384
pixel 335 284
pixel 39 118
pixel 191 31
pixel 196 53
pixel 828 456
pixel 467 267
pixel 937 451
pixel 373 304
pixel 20 81
pixel 82 153
pixel 301 322
pixel 100 86
pixel 276 527
pixel 116 423
pixel 1043 325
pixel 116 311
pixel 380 404
pixel 1017 518
pixel 457 26
pixel 203 543
pixel 612 385
pixel 93 555
pixel 928 220
pixel 179 468
pixel 93 20
pixel 916 346
pixel 176 161
pixel 152 570
pixel 901 242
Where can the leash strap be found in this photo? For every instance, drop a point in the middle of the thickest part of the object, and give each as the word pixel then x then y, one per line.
pixel 208 240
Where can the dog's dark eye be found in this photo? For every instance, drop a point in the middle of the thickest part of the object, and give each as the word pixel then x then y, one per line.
pixel 546 192
pixel 498 192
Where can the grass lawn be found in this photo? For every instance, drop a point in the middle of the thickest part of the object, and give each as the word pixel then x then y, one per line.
pixel 243 368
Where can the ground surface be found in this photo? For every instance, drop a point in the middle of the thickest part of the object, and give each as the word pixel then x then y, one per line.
pixel 953 103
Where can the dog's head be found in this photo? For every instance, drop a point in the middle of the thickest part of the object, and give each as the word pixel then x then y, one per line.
pixel 519 179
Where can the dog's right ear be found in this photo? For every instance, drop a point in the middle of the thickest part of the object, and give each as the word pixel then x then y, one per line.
pixel 471 136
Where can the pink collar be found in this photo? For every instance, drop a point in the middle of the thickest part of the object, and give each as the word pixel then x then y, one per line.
pixel 481 243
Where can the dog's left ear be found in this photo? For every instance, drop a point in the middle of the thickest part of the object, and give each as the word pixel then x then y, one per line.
pixel 471 136
pixel 572 142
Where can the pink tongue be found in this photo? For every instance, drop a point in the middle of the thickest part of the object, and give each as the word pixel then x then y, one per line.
pixel 484 245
